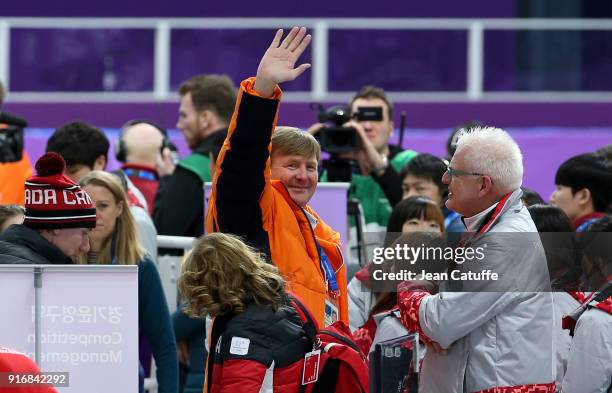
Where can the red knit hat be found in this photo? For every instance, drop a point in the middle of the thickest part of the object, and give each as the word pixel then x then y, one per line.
pixel 53 200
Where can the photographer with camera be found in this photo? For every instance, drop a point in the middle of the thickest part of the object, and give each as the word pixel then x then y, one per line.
pixel 15 166
pixel 360 153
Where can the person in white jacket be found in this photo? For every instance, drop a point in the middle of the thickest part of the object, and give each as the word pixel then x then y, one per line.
pixel 589 367
pixel 489 335
pixel 557 235
pixel 413 214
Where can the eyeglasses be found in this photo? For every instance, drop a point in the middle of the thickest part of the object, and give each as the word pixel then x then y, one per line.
pixel 458 172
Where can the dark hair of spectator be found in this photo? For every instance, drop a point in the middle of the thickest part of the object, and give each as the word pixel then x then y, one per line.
pixel 531 197
pixel 414 207
pixel 9 211
pixel 372 92
pixel 429 167
pixel 562 253
pixel 549 218
pixel 590 171
pixel 211 92
pixel 596 246
pixel 79 143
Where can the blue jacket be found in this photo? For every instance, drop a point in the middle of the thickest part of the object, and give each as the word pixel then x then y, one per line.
pixel 193 331
pixel 154 322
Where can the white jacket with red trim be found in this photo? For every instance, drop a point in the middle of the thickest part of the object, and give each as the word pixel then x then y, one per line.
pixel 360 299
pixel 589 367
pixel 499 335
pixel 564 305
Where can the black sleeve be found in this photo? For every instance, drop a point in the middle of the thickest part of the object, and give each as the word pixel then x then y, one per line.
pixel 178 205
pixel 391 184
pixel 241 181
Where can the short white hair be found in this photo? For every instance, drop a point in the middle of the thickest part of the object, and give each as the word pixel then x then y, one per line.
pixel 492 151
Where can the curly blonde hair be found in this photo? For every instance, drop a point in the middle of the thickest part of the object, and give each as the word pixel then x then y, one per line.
pixel 223 273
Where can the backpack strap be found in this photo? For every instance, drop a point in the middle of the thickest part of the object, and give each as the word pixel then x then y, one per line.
pixel 604 293
pixel 311 328
pixel 602 299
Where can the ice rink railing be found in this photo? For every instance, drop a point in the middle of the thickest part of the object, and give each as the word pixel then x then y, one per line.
pixel 320 28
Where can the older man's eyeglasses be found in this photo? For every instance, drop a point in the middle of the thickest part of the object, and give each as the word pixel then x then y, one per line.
pixel 458 172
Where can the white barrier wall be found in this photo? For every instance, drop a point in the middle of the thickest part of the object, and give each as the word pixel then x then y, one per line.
pixel 88 322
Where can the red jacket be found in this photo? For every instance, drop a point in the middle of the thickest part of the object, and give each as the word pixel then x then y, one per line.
pixel 12 361
pixel 146 179
pixel 257 349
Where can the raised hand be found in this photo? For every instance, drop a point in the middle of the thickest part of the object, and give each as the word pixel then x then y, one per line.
pixel 277 64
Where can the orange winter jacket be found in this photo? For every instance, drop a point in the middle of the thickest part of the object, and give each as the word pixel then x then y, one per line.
pixel 246 202
pixel 12 180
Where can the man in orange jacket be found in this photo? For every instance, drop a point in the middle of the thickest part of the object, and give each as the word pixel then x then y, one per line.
pixel 13 174
pixel 265 177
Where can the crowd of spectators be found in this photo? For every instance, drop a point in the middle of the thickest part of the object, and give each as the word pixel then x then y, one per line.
pixel 544 326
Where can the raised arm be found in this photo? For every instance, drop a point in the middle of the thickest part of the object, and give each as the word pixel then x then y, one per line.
pixel 243 169
pixel 278 63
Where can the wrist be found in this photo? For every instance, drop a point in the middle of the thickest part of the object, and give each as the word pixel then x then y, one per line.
pixel 264 87
pixel 380 167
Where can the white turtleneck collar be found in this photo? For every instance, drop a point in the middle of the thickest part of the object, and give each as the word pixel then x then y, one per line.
pixel 472 223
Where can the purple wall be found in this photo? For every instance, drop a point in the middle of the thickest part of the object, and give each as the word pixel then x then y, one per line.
pixel 544 148
pixel 268 8
pixel 420 115
pixel 396 60
pixel 81 60
pixel 233 52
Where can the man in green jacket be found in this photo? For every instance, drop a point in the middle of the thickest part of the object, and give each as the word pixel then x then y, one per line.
pixel 207 104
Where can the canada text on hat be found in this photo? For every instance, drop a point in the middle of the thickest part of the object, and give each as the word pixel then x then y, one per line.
pixel 53 200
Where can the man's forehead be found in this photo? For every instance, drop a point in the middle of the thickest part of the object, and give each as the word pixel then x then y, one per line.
pixel 294 157
pixel 186 102
pixel 412 179
pixel 458 158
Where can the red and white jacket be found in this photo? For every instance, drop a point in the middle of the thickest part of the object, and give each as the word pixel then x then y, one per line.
pixel 258 350
pixel 589 366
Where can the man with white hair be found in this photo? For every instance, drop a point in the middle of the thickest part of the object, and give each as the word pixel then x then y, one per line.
pixel 487 334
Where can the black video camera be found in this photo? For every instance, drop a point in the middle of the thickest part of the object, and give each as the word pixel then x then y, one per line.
pixel 339 139
pixel 336 139
pixel 11 137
